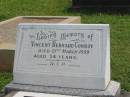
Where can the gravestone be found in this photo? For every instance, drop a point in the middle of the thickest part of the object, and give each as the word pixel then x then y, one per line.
pixel 100 3
pixel 72 59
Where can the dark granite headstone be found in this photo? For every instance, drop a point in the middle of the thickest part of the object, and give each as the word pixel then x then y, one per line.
pixel 100 3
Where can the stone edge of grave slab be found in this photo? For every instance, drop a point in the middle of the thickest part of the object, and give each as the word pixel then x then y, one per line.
pixel 113 90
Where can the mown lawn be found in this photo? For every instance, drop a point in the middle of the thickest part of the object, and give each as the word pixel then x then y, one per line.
pixel 4 79
pixel 120 30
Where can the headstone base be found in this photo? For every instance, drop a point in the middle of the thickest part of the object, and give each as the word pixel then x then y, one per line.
pixel 113 90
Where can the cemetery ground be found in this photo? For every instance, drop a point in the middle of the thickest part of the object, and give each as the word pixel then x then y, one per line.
pixel 119 24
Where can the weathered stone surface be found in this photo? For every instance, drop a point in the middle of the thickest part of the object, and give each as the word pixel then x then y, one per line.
pixel 113 90
pixel 35 94
pixel 63 55
pixel 123 94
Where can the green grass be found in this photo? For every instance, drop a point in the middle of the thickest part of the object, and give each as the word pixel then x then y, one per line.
pixel 4 79
pixel 120 30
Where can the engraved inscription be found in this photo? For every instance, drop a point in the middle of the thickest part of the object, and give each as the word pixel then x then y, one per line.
pixel 53 48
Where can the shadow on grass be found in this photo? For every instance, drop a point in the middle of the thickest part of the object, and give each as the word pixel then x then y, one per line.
pixel 105 10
